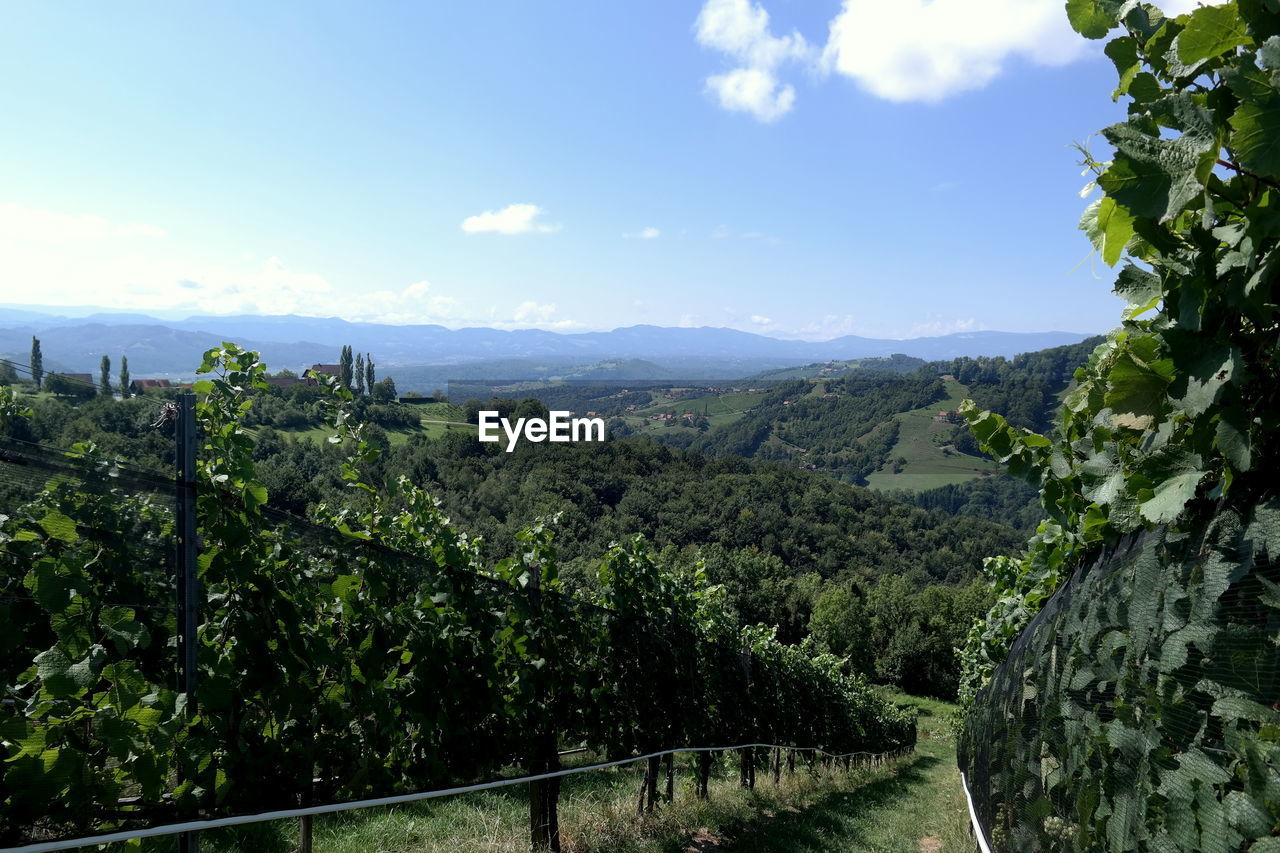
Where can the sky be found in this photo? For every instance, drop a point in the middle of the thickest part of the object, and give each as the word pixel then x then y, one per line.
pixel 797 168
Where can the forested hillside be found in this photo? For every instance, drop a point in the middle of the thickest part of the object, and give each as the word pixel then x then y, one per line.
pixel 872 577
pixel 887 423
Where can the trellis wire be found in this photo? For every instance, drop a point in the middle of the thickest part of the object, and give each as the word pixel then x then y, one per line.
pixel 280 814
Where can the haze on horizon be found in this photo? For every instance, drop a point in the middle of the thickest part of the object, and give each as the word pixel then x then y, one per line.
pixel 884 168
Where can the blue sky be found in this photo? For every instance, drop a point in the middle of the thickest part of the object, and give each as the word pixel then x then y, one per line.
pixel 803 169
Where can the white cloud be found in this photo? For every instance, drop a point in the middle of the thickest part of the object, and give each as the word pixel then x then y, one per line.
pixel 647 233
pixel 512 219
pixel 45 226
pixel 913 50
pixel 533 315
pixel 740 29
pixel 72 259
pixel 532 311
pixel 761 321
pixel 937 328
pixel 752 90
pixel 415 304
pixel 898 50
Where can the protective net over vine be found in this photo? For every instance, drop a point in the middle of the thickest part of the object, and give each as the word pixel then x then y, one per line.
pixel 1138 709
pixel 1130 699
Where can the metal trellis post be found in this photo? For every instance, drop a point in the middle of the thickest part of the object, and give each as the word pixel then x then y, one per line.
pixel 187 582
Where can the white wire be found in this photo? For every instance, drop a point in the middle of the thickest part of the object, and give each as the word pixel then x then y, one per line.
pixel 978 832
pixel 237 820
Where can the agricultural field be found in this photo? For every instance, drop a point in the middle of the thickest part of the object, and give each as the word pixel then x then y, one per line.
pixel 929 464
pixel 718 409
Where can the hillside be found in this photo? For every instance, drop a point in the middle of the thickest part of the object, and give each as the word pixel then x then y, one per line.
pixel 924 456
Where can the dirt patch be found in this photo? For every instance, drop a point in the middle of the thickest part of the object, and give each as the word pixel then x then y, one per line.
pixel 930 844
pixel 702 840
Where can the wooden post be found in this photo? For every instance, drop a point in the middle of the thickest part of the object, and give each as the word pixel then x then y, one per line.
pixel 644 789
pixel 744 767
pixel 704 774
pixel 791 761
pixel 670 762
pixel 777 764
pixel 304 834
pixel 651 781
pixel 544 755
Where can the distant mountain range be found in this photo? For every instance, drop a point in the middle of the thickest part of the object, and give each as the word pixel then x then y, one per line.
pixel 174 347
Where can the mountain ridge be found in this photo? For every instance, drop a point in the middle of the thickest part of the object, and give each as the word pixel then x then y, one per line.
pixel 174 346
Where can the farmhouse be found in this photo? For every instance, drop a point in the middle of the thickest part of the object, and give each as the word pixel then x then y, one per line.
pixel 312 374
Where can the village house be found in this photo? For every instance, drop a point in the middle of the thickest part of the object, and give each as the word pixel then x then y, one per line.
pixel 311 374
pixel 141 386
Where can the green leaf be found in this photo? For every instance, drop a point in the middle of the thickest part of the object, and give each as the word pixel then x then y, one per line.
pixel 1123 52
pixel 1211 31
pixel 1171 496
pixel 1116 225
pixel 1232 438
pixel 1269 53
pixel 1257 136
pixel 1093 19
pixel 59 526
pixel 255 495
pixel 1137 286
pixel 1207 376
pixel 49 586
pixel 118 624
pixel 345 588
pixel 1137 390
pixel 1145 88
pixel 54 671
pixel 1155 177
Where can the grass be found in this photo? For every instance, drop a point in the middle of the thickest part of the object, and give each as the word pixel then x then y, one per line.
pixel 928 466
pixel 719 409
pixel 437 419
pixel 913 805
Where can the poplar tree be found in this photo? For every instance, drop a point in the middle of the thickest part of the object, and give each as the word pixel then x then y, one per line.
pixel 359 374
pixel 104 376
pixel 37 362
pixel 124 377
pixel 369 380
pixel 344 367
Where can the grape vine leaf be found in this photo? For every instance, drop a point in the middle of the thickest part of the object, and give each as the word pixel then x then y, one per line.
pixel 1093 19
pixel 1155 177
pixel 1211 31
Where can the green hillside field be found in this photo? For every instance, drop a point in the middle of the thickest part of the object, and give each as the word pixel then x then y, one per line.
pixel 928 464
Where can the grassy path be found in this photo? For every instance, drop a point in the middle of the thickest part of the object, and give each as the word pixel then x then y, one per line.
pixel 916 806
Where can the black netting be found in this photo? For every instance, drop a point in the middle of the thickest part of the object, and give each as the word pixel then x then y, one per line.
pixel 1138 709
